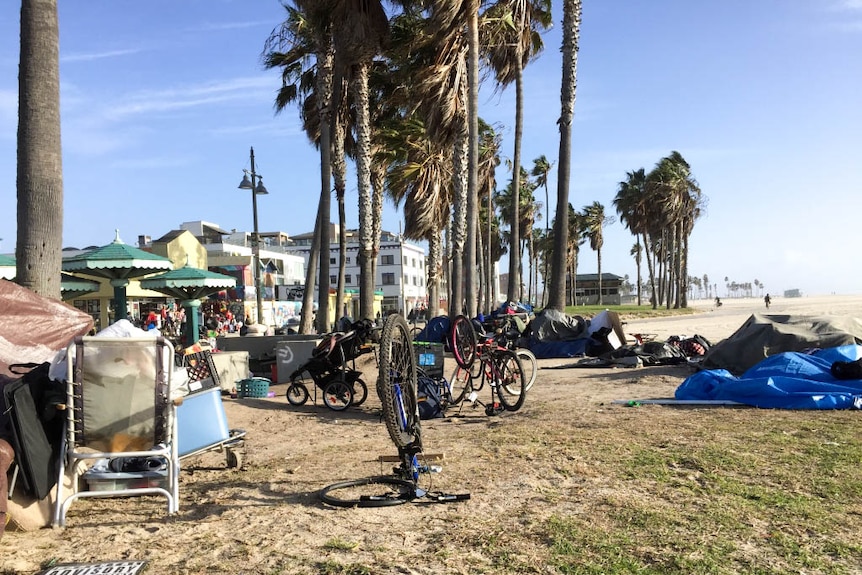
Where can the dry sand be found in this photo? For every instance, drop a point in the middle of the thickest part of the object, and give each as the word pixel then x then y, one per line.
pixel 266 517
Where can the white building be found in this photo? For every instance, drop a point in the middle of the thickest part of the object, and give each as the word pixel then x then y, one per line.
pixel 232 253
pixel 400 274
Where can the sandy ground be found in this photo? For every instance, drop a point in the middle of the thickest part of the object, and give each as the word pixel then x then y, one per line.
pixel 266 516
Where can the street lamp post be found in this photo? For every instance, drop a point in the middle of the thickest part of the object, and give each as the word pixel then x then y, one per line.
pixel 255 184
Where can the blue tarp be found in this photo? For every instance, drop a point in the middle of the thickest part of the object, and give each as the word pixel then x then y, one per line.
pixel 790 380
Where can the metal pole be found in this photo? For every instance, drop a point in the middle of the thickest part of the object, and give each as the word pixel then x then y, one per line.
pixel 256 276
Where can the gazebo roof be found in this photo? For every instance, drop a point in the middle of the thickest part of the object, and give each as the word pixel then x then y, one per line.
pixel 116 260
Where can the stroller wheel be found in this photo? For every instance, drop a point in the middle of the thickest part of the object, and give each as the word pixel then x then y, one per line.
pixel 360 392
pixel 338 395
pixel 297 394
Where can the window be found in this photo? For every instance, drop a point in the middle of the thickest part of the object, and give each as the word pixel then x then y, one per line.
pixel 414 262
pixel 348 279
pixel 347 260
pixel 332 261
pixel 406 279
pixel 333 280
pixel 388 279
pixel 405 261
pixel 387 260
pixel 415 281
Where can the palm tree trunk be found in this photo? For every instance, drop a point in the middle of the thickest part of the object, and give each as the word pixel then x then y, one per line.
pixel 599 263
pixel 570 32
pixel 472 159
pixel 435 253
pixel 363 173
pixel 459 225
pixel 515 263
pixel 339 170
pixel 38 250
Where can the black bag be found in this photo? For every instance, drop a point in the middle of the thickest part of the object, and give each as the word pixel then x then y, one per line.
pixel 34 426
pixel 428 395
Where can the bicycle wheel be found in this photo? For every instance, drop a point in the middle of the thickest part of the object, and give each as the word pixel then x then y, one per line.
pixel 396 383
pixel 462 341
pixel 360 392
pixel 460 384
pixel 380 491
pixel 510 378
pixel 338 395
pixel 297 394
pixel 530 365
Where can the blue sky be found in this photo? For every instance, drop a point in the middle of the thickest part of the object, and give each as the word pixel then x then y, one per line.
pixel 161 101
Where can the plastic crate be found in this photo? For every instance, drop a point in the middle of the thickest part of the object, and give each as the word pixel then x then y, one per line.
pixel 429 357
pixel 253 387
pixel 111 481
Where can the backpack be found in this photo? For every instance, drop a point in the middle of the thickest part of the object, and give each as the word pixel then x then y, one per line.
pixel 428 396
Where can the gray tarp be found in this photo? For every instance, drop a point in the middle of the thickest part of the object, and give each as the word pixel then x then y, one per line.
pixel 764 335
pixel 553 325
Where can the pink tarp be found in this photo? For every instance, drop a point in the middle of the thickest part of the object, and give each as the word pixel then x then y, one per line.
pixel 34 328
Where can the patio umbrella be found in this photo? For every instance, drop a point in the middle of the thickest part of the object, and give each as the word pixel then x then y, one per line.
pixel 72 287
pixel 117 262
pixel 7 267
pixel 189 285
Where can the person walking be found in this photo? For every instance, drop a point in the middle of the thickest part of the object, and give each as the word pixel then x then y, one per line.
pixel 767 300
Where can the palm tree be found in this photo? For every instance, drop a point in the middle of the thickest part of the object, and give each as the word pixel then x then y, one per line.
pixel 631 205
pixel 360 30
pixel 595 220
pixel 541 169
pixel 307 31
pixel 38 251
pixel 637 253
pixel 511 39
pixel 570 33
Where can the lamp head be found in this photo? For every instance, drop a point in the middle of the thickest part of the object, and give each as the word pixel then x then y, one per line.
pixel 245 184
pixel 259 189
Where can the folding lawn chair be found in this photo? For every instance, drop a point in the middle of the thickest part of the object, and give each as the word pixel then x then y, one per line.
pixel 119 409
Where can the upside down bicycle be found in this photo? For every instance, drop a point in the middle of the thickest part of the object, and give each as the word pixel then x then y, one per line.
pixel 396 387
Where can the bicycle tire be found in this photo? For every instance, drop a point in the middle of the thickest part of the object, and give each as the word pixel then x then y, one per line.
pixel 462 341
pixel 509 375
pixel 530 365
pixel 338 395
pixel 360 392
pixel 407 492
pixel 460 384
pixel 297 394
pixel 398 370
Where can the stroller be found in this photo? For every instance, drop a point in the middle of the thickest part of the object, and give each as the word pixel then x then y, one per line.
pixel 332 368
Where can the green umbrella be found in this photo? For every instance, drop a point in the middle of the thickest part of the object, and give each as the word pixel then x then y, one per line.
pixel 71 286
pixel 7 267
pixel 117 262
pixel 189 285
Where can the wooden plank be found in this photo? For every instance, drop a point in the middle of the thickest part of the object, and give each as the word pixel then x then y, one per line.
pixel 422 456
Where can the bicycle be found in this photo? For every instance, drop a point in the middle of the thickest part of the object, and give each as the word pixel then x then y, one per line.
pixel 497 364
pixel 507 335
pixel 396 387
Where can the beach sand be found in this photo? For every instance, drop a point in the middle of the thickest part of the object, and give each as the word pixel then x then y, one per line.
pixel 266 517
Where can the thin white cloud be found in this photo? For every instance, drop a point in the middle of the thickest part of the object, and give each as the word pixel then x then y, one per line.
pixel 88 57
pixel 247 88
pixel 849 5
pixel 221 26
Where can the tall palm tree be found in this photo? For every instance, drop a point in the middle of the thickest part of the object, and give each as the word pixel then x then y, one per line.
pixel 360 30
pixel 38 251
pixel 541 169
pixel 571 33
pixel 511 39
pixel 631 205
pixel 637 253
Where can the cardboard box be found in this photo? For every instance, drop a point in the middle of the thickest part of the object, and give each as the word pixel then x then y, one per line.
pixel 201 422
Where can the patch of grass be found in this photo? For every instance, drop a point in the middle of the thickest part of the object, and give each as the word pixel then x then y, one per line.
pixel 627 311
pixel 337 544
pixel 330 567
pixel 752 492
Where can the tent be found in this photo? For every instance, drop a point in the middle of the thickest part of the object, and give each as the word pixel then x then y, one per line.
pixel 762 336
pixel 789 380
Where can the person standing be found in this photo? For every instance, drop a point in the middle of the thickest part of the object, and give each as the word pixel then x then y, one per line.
pixel 767 300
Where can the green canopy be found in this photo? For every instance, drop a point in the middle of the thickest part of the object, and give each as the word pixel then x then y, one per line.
pixel 71 286
pixel 118 262
pixel 189 285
